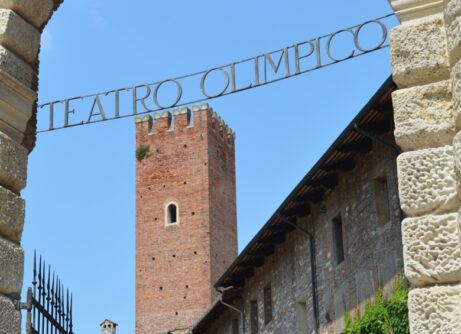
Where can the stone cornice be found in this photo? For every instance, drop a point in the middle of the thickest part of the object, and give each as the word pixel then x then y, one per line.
pixel 408 10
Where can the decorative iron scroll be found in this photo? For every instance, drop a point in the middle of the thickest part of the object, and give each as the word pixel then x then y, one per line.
pixel 49 305
pixel 219 81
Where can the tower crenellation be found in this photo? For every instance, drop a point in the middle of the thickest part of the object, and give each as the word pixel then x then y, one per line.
pixel 184 117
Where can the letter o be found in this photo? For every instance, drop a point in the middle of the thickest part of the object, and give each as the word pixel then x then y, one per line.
pixel 359 29
pixel 205 75
pixel 178 97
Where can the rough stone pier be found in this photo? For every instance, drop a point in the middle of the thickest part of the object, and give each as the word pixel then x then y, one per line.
pixel 21 25
pixel 426 52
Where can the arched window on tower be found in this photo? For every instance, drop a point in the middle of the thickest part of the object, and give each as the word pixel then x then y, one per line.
pixel 172 214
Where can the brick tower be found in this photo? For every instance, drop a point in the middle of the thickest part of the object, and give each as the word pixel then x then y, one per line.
pixel 185 216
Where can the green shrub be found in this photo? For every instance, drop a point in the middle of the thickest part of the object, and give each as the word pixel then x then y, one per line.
pixel 397 309
pixel 382 316
pixel 142 152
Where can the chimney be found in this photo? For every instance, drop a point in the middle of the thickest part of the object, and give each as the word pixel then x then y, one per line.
pixel 108 327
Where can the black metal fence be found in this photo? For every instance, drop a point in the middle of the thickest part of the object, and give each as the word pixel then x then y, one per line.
pixel 49 304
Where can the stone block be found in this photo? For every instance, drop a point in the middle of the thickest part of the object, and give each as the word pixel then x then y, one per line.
pixel 457 162
pixel 427 182
pixel 432 249
pixel 16 102
pixel 454 40
pixel 11 215
pixel 456 92
pixel 419 52
pixel 12 268
pixel 10 318
pixel 35 11
pixel 452 15
pixel 13 164
pixel 16 67
pixel 423 116
pixel 435 310
pixel 452 10
pixel 18 35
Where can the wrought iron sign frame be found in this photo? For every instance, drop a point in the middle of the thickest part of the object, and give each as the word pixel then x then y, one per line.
pixel 319 50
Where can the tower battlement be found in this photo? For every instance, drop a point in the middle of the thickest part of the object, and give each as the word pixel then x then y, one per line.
pixel 178 119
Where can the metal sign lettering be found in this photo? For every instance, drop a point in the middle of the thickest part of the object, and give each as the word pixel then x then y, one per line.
pixel 197 87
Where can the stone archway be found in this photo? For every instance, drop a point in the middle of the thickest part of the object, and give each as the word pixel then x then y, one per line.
pixel 21 25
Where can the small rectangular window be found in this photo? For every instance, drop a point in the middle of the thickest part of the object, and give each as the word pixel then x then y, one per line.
pixel 267 304
pixel 235 326
pixel 254 316
pixel 382 199
pixel 338 239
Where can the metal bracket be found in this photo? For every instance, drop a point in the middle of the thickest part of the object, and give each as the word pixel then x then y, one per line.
pixel 18 305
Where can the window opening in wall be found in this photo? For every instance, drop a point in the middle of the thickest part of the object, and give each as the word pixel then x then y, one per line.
pixel 254 316
pixel 338 238
pixel 235 326
pixel 382 198
pixel 301 310
pixel 172 214
pixel 267 304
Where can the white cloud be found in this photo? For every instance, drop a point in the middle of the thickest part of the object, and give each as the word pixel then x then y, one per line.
pixel 98 19
pixel 46 41
pixel 96 15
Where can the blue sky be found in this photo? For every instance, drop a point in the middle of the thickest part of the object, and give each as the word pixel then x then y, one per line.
pixel 81 195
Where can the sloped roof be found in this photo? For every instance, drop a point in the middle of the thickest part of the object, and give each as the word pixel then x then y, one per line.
pixel 376 117
pixel 108 321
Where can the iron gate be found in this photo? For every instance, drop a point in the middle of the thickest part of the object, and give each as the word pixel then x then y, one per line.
pixel 49 304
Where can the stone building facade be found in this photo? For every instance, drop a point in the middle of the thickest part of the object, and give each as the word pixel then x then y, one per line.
pixel 349 204
pixel 186 233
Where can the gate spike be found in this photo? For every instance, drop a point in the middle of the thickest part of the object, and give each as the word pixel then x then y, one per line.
pixel 40 275
pixel 48 285
pixel 62 303
pixel 58 297
pixel 39 295
pixel 56 300
pixel 43 293
pixel 71 324
pixel 52 292
pixel 47 304
pixel 67 310
pixel 43 281
pixel 63 310
pixel 34 281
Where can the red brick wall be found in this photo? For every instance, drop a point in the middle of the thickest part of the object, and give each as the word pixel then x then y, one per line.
pixel 193 165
